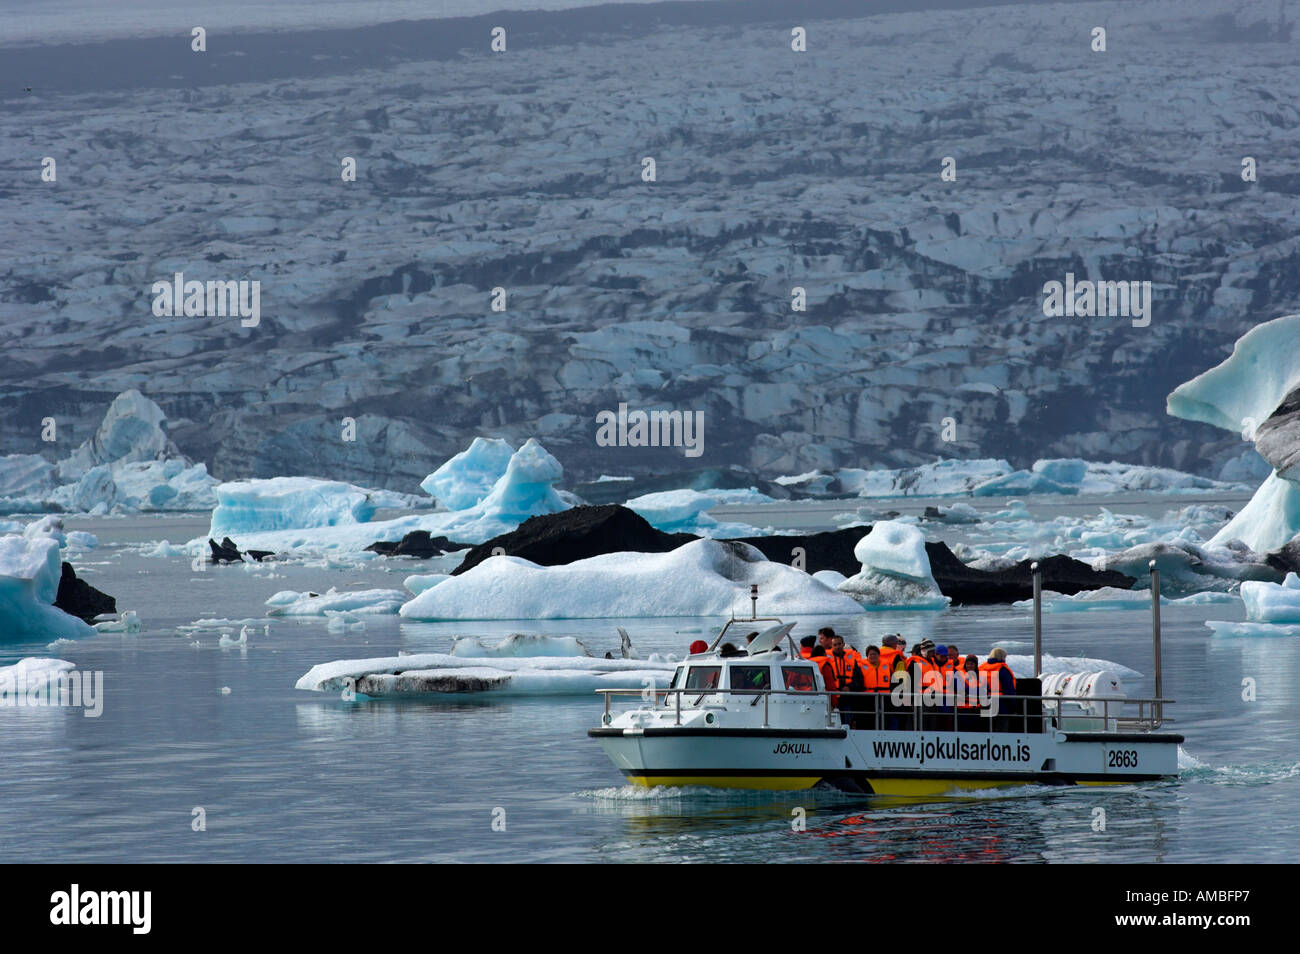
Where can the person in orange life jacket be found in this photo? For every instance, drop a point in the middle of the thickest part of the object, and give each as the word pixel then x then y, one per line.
pixel 897 716
pixel 968 714
pixel 875 679
pixel 824 637
pixel 1004 682
pixel 889 648
pixel 806 646
pixel 918 664
pixel 954 659
pixel 841 671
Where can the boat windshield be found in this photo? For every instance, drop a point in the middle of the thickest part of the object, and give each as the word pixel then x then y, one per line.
pixel 754 678
pixel 799 678
pixel 704 677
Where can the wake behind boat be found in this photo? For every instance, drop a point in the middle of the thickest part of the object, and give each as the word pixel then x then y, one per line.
pixel 765 719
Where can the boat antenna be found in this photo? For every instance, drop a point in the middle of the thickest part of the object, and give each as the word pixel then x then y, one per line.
pixel 1038 619
pixel 753 600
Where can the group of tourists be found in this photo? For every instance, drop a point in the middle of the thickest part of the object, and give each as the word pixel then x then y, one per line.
pixel 935 678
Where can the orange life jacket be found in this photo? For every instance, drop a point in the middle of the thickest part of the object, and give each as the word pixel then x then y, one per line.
pixel 887 655
pixel 841 668
pixel 972 689
pixel 989 678
pixel 805 652
pixel 875 678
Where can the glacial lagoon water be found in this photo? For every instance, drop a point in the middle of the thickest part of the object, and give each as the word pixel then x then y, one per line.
pixel 291 776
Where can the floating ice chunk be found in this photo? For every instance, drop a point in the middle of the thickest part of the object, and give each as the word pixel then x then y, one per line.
pixel 29 582
pixel 83 540
pixel 700 578
pixel 1111 598
pixel 519 645
pixel 128 622
pixel 1225 628
pixel 1190 567
pixel 672 510
pixel 436 673
pixel 896 549
pixel 32 674
pixel 165 549
pixel 372 602
pixel 344 623
pixel 957 513
pixel 895 569
pixel 1272 602
pixel 283 503
pixel 465 479
pixel 419 582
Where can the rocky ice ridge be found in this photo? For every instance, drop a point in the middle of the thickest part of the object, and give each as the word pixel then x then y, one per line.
pixel 820 171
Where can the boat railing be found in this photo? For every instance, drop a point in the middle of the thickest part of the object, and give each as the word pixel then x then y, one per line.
pixel 1012 712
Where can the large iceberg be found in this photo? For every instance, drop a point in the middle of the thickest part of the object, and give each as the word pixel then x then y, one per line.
pixel 369 602
pixel 700 578
pixel 895 569
pixel 301 513
pixel 128 464
pixel 465 479
pixel 29 583
pixel 1253 392
pixel 287 503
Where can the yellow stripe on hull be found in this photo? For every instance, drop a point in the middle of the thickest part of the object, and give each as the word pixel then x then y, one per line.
pixel 902 787
pixel 768 783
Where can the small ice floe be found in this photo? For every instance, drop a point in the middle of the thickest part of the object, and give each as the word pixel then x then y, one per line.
pixel 373 602
pixel 440 673
pixel 82 540
pixel 1112 598
pixel 128 622
pixel 225 690
pixel 164 549
pixel 1226 628
pixel 344 623
pixel 227 641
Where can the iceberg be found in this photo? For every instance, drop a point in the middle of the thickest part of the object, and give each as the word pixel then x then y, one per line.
pixel 437 673
pixel 372 602
pixel 1272 602
pixel 32 674
pixel 132 430
pixel 683 511
pixel 26 475
pixel 1225 628
pixel 700 578
pixel 465 479
pixel 895 569
pixel 1252 392
pixel 30 570
pixel 284 503
pixel 417 583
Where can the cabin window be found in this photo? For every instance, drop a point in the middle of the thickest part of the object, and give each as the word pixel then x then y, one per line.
pixel 677 678
pixel 799 678
pixel 704 677
pixel 752 678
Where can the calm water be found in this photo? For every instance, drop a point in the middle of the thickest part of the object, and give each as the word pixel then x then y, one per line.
pixel 285 775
